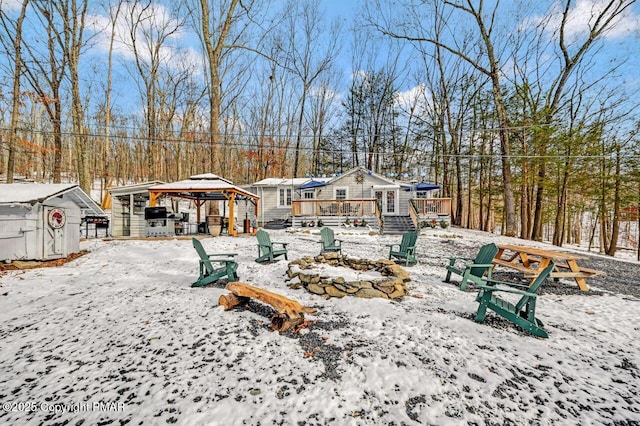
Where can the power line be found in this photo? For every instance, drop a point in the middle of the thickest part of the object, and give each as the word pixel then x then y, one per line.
pixel 306 149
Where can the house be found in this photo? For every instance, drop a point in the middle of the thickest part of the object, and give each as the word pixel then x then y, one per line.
pixel 358 196
pixel 277 194
pixel 42 221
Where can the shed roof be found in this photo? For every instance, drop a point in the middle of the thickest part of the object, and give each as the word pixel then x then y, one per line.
pixel 33 193
pixel 135 188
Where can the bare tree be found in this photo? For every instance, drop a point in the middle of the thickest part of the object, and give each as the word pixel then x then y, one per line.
pixel 488 63
pixel 150 30
pixel 72 15
pixel 571 53
pixel 46 74
pixel 309 52
pixel 14 39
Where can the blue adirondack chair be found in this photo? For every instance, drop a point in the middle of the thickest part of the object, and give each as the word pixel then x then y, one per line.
pixel 472 269
pixel 266 252
pixel 328 241
pixel 523 313
pixel 405 250
pixel 227 266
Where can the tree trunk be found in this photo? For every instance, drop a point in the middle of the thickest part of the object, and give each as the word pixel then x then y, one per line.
pixel 615 230
pixel 15 102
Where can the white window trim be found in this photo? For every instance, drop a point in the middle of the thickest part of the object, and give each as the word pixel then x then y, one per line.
pixel 337 188
pixel 281 202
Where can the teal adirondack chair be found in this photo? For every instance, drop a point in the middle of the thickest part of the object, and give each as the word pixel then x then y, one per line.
pixel 523 313
pixel 328 241
pixel 406 249
pixel 266 252
pixel 227 266
pixel 474 271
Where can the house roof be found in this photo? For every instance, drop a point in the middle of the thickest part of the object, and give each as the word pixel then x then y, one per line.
pixel 368 172
pixel 33 193
pixel 296 182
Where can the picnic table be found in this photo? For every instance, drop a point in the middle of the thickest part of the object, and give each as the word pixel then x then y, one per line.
pixel 532 261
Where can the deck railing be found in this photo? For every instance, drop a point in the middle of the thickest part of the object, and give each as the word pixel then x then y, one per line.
pixel 351 207
pixel 432 206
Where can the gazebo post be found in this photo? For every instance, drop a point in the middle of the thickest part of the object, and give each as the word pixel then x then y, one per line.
pixel 199 203
pixel 153 198
pixel 232 201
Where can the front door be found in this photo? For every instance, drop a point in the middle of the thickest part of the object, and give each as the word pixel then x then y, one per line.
pixel 388 201
pixel 55 219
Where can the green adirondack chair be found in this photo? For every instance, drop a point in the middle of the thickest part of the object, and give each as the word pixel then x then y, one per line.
pixel 474 271
pixel 523 313
pixel 266 252
pixel 406 249
pixel 328 241
pixel 227 266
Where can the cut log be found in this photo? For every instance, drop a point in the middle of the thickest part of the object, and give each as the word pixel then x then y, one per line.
pixel 290 313
pixel 280 303
pixel 229 301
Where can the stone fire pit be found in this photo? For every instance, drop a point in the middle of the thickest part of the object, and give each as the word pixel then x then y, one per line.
pixel 375 278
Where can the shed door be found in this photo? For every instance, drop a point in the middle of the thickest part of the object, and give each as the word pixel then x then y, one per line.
pixel 55 220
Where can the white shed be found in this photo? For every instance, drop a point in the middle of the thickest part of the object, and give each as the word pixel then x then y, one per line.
pixel 42 221
pixel 127 211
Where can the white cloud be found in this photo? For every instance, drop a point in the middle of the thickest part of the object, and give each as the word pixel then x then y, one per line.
pixel 147 26
pixel 416 98
pixel 11 5
pixel 582 17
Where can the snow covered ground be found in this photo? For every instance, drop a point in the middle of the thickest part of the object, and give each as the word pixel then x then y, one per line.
pixel 118 335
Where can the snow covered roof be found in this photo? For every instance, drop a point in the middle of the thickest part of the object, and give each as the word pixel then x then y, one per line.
pixel 188 187
pixel 208 176
pixel 134 188
pixel 33 193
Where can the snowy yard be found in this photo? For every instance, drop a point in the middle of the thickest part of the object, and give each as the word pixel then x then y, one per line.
pixel 118 335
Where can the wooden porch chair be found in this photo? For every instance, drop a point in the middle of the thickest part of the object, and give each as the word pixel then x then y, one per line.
pixel 328 241
pixel 266 252
pixel 227 266
pixel 476 269
pixel 406 249
pixel 523 312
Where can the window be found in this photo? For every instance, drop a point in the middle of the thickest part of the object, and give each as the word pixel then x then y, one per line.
pixel 341 193
pixel 284 197
pixel 308 195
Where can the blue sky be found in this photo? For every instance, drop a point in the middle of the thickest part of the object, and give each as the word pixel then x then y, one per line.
pixel 622 44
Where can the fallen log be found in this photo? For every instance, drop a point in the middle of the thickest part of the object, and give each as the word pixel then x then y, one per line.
pixel 290 313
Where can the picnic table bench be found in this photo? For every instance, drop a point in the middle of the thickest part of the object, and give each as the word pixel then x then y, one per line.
pixel 532 261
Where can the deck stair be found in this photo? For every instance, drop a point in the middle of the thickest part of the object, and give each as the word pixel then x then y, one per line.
pixel 397 225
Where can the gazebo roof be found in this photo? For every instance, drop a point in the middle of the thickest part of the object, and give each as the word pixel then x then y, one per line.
pixel 202 187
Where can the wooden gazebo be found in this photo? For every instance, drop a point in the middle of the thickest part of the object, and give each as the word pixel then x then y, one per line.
pixel 203 188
